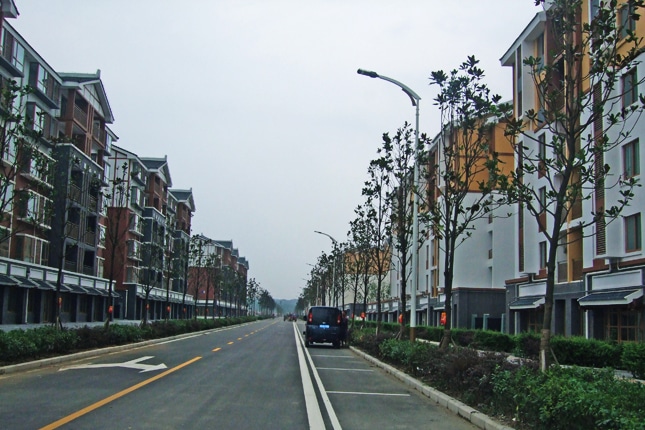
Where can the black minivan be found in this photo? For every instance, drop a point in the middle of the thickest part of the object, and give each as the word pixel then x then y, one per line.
pixel 323 325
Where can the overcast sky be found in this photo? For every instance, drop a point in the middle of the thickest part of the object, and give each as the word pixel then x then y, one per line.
pixel 257 103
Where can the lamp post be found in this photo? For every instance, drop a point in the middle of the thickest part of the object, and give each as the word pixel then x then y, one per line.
pixel 317 283
pixel 414 98
pixel 333 263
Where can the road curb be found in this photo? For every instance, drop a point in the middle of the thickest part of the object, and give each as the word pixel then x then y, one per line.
pixel 470 414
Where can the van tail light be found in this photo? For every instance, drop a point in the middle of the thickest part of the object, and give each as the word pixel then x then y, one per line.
pixel 338 319
pixel 310 318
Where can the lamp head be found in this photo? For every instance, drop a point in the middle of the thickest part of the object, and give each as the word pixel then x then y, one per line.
pixel 367 73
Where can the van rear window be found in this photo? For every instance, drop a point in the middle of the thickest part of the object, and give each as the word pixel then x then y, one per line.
pixel 322 315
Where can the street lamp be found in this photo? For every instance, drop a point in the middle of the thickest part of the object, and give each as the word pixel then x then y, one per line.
pixel 333 263
pixel 414 98
pixel 317 283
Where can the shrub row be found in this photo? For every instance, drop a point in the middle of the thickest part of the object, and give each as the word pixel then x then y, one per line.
pixel 23 345
pixel 574 351
pixel 562 398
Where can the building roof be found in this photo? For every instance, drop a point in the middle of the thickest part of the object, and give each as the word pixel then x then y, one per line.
pixel 185 197
pixel 79 80
pixel 158 165
pixel 9 9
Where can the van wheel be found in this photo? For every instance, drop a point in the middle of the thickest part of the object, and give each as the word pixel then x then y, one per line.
pixel 307 344
pixel 337 345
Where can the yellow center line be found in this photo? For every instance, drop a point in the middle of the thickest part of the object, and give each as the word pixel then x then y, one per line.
pixel 88 409
pixel 231 343
pixel 240 338
pixel 216 349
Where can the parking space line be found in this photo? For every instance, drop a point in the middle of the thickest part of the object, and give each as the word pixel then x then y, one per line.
pixel 347 369
pixel 358 393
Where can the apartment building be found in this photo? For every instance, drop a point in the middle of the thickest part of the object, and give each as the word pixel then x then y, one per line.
pixel 217 277
pixel 84 223
pixel 600 270
pixel 51 258
pixel 147 237
pixel 482 261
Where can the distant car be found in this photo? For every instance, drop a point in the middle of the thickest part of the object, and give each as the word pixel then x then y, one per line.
pixel 323 326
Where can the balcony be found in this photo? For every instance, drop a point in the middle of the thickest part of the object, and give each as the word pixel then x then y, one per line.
pixel 70 266
pixel 90 238
pixel 71 230
pixel 75 193
pixel 80 116
pixel 98 134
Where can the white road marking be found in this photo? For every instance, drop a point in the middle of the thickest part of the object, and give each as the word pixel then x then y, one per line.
pixel 349 370
pixel 132 364
pixel 314 415
pixel 368 394
pixel 330 410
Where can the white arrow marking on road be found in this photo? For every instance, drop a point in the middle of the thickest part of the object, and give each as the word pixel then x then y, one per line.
pixel 132 364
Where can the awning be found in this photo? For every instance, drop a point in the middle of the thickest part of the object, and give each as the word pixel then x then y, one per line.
pixel 8 280
pixel 93 291
pixel 531 302
pixel 74 288
pixel 611 298
pixel 43 285
pixel 439 306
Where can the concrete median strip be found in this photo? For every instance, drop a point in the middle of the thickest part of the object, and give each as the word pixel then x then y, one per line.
pixel 475 417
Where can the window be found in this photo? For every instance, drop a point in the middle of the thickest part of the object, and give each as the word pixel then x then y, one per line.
pixel 543 255
pixel 542 146
pixel 18 56
pixel 518 80
pixel 631 160
pixel 630 88
pixel 32 249
pixel 34 208
pixel 102 233
pixel 633 232
pixel 627 22
pixel 43 79
pixel 542 197
pixel 534 320
pixel 5 241
pixel 539 49
pixel 595 5
pixel 621 325
pixel 9 153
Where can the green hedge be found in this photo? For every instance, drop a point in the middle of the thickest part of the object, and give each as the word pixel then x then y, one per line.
pixel 31 344
pixel 576 351
pixel 568 398
pixel 633 359
pixel 561 398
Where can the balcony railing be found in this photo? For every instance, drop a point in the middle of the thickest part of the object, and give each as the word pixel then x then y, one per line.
pixel 90 238
pixel 81 116
pixel 72 230
pixel 70 266
pixel 75 193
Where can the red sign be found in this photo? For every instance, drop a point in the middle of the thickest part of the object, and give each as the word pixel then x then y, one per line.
pixel 442 318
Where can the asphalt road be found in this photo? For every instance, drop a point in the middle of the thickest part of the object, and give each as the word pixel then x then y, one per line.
pixel 254 376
